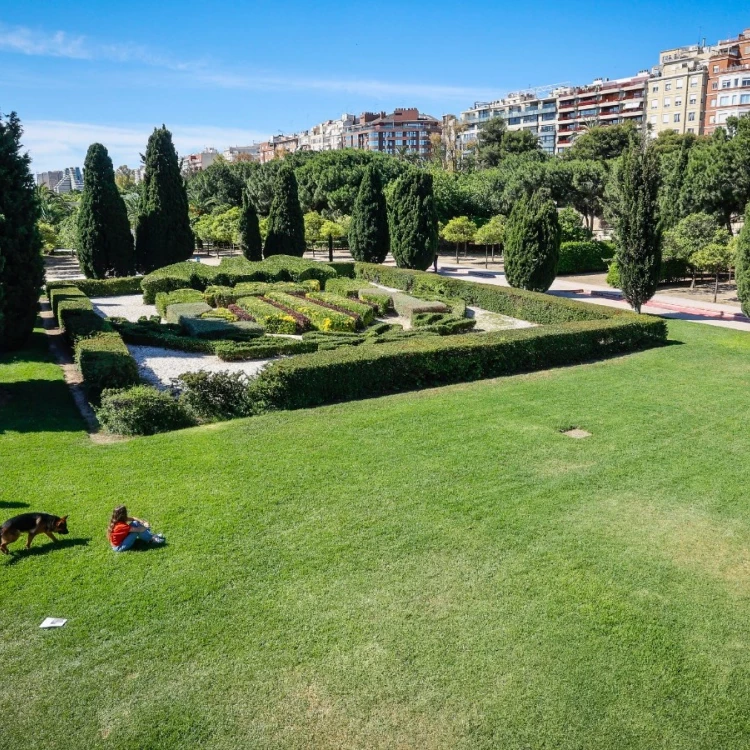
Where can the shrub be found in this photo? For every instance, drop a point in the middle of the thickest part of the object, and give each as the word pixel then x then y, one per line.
pixel 320 317
pixel 515 303
pixel 179 310
pixel 425 361
pixel 105 362
pixel 346 287
pixel 250 241
pixel 176 276
pixel 271 318
pixel 220 313
pixel 345 304
pixel 369 238
pixel 213 328
pixel 68 293
pixel 286 226
pixel 613 275
pixel 150 333
pixel 408 306
pixel 343 269
pixel 413 221
pixel 114 287
pixel 383 300
pixel 81 324
pixel 264 347
pixel 165 299
pixel 584 257
pixel 215 395
pixel 141 410
pixel 226 295
pixel 743 264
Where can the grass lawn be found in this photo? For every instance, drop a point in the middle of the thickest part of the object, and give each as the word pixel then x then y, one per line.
pixel 439 569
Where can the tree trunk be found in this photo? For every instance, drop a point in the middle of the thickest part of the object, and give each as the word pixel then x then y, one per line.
pixel 330 249
pixel 457 260
pixel 485 257
pixel 716 286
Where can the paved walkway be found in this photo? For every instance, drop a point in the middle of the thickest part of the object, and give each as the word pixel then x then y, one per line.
pixel 665 306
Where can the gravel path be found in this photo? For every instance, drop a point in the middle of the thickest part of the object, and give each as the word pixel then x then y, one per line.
pixel 129 306
pixel 159 366
pixel 490 321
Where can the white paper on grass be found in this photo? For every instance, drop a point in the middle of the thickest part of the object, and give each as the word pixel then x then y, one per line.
pixel 53 622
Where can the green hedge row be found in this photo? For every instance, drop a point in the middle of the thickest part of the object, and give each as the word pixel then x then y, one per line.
pixel 408 306
pixel 584 257
pixel 105 362
pixel 516 303
pixel 344 268
pixel 115 287
pixel 421 362
pixel 165 299
pixel 262 348
pixel 366 312
pixel 221 296
pixel 270 317
pixel 321 317
pixel 232 271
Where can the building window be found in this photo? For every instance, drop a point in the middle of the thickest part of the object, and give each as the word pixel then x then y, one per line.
pixel 667 86
pixel 726 83
pixel 667 101
pixel 715 85
pixel 676 117
pixel 693 99
pixel 653 119
pixel 745 82
pixel 678 102
pixel 654 89
pixel 723 101
pixel 679 83
pixel 745 99
pixel 712 119
pixel 693 83
pixel 691 116
pixel 691 130
pixel 655 104
pixel 716 68
pixel 665 118
pixel 713 102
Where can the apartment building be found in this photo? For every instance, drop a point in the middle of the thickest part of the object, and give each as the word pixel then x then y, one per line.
pixel 535 111
pixel 402 130
pixel 277 147
pixel 196 162
pixel 728 87
pixel 326 136
pixel 676 97
pixel 242 153
pixel 72 179
pixel 50 179
pixel 602 102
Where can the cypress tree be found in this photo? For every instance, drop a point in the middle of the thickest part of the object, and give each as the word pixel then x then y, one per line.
pixel 250 240
pixel 286 224
pixel 21 265
pixel 532 243
pixel 162 232
pixel 742 270
pixel 105 243
pixel 369 240
pixel 635 214
pixel 413 221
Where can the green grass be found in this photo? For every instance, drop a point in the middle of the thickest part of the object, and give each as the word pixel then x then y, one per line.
pixel 440 569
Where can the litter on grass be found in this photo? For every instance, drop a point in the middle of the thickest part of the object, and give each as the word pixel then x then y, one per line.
pixel 53 622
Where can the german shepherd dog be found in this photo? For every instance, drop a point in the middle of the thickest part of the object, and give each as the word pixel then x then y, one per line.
pixel 31 524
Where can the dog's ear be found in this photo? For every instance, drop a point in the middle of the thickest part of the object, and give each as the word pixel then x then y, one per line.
pixel 62 520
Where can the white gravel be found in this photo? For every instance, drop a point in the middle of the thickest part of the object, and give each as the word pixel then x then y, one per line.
pixel 159 366
pixel 490 321
pixel 129 306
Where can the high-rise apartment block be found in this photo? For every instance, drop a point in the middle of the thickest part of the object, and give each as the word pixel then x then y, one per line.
pixel 728 84
pixel 602 102
pixel 676 98
pixel 72 179
pixel 326 136
pixel 535 111
pixel 50 179
pixel 196 162
pixel 402 131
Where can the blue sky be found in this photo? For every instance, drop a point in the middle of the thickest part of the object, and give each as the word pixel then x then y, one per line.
pixel 226 73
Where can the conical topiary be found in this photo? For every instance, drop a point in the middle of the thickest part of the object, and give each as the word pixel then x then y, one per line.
pixel 369 239
pixel 286 224
pixel 250 240
pixel 412 221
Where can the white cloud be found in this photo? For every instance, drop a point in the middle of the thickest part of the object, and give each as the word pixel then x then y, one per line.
pixel 26 41
pixel 55 144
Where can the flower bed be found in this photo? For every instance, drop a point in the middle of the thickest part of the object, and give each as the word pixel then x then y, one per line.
pixel 345 305
pixel 320 317
pixel 269 316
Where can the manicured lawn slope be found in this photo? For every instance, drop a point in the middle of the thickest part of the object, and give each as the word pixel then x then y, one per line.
pixel 431 570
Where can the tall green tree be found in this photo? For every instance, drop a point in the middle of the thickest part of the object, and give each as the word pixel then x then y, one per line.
pixel 286 224
pixel 742 268
pixel 21 265
pixel 495 142
pixel 105 244
pixel 532 243
pixel 635 215
pixel 369 239
pixel 602 142
pixel 674 166
pixel 162 232
pixel 413 221
pixel 250 241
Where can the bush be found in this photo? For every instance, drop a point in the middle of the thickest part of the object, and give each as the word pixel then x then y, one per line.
pixel 215 328
pixel 227 295
pixel 271 318
pixel 413 220
pixel 215 395
pixel 141 410
pixel 165 299
pixel 426 361
pixel 515 303
pixel 81 324
pixel 362 309
pixel 115 287
pixel 584 257
pixel 408 306
pixel 261 348
pixel 383 300
pixel 320 317
pixel 68 293
pixel 613 275
pixel 150 333
pixel 343 269
pixel 180 310
pixel 105 362
pixel 346 287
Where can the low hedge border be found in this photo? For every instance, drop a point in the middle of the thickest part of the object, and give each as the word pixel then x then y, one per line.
pixel 584 257
pixel 515 303
pixel 114 287
pixel 165 299
pixel 423 361
pixel 362 309
pixel 321 317
pixel 105 362
pixel 271 318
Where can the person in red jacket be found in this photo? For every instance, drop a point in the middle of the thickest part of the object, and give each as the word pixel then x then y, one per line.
pixel 124 531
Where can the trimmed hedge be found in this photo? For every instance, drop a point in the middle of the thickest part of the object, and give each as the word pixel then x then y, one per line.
pixel 535 307
pixel 114 287
pixel 262 348
pixel 363 310
pixel 347 287
pixel 584 257
pixel 408 306
pixel 165 299
pixel 270 317
pixel 232 271
pixel 180 310
pixel 216 328
pixel 105 362
pixel 423 361
pixel 321 317
pixel 343 269
pixel 384 300
pixel 166 336
pixel 227 295
pixel 57 295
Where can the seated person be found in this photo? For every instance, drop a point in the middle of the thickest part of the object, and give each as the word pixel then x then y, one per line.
pixel 124 531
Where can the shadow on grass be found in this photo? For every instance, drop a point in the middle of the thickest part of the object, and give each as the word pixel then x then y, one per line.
pixel 20 554
pixel 141 546
pixel 12 504
pixel 38 406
